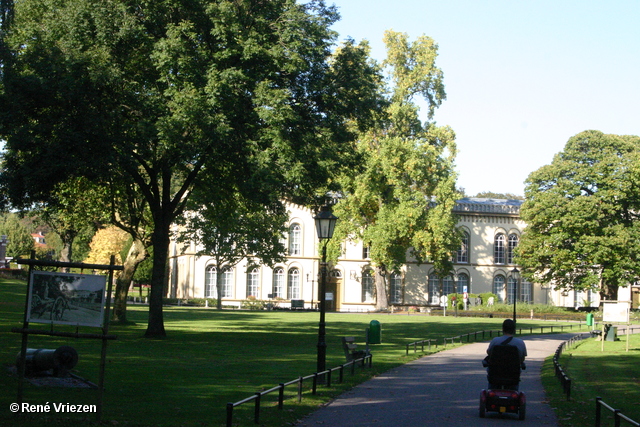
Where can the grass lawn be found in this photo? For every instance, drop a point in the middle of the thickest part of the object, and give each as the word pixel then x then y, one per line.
pixel 613 374
pixel 208 359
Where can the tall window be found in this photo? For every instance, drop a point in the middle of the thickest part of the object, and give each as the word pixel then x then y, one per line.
pixel 463 252
pixel 227 282
pixel 498 287
pixel 210 290
pixel 252 282
pixel 525 291
pixel 278 283
pixel 512 285
pixel 293 284
pixel 395 286
pixel 447 285
pixel 295 239
pixel 367 286
pixel 513 242
pixel 499 249
pixel 434 289
pixel 463 281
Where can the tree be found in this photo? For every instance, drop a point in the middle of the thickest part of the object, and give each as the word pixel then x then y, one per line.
pixel 20 241
pixel 170 97
pixel 582 214
pixel 107 242
pixel 232 228
pixel 401 199
pixel 492 195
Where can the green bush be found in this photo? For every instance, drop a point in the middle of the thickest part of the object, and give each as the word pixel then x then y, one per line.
pixel 252 303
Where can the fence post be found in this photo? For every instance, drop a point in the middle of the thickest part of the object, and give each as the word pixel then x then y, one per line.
pixel 300 389
pixel 229 414
pixel 616 417
pixel 281 396
pixel 329 378
pixel 341 375
pixel 598 411
pixel 315 383
pixel 257 409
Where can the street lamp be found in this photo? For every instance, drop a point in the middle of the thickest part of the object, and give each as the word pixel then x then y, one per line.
pixel 325 224
pixel 515 273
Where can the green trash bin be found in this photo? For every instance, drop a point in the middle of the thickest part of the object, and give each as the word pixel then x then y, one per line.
pixel 375 332
pixel 589 319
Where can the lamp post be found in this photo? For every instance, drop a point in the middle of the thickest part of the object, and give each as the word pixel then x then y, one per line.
pixel 515 273
pixel 325 224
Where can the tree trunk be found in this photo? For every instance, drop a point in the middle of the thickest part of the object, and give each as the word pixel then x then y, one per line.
pixel 219 286
pixel 137 254
pixel 66 253
pixel 155 327
pixel 382 302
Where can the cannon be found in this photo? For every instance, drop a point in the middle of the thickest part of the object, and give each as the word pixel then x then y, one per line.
pixel 60 360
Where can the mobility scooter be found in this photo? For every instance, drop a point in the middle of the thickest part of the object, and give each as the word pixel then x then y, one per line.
pixel 503 374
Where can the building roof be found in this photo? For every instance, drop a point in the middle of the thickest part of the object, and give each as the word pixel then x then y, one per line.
pixel 497 206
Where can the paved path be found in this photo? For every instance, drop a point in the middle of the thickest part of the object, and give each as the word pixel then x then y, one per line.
pixel 442 389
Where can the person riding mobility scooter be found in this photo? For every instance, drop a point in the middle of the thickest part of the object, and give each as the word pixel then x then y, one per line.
pixel 504 362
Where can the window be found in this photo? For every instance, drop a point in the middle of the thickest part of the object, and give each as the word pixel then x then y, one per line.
pixel 512 285
pixel 395 288
pixel 498 249
pixel 447 285
pixel 463 281
pixel 434 289
pixel 463 252
pixel 210 276
pixel 366 252
pixel 498 287
pixel 252 282
pixel 293 284
pixel 367 286
pixel 525 291
pixel 513 242
pixel 227 282
pixel 278 283
pixel 295 239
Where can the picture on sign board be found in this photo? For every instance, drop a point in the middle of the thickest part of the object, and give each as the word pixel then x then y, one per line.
pixel 66 299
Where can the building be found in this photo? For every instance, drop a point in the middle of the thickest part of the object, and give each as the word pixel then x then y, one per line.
pixel 484 263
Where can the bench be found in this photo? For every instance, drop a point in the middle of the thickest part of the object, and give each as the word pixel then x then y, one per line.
pixel 351 351
pixel 297 303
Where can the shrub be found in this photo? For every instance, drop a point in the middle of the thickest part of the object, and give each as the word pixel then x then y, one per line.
pixel 252 303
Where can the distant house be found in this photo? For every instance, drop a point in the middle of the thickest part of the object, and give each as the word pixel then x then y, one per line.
pixel 491 229
pixel 39 239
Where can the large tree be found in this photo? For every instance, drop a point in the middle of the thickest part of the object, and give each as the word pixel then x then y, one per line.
pixel 399 201
pixel 582 214
pixel 229 227
pixel 170 96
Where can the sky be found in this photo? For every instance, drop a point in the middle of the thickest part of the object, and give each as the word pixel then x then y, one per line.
pixel 521 76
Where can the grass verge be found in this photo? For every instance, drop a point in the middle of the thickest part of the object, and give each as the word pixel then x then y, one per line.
pixel 613 374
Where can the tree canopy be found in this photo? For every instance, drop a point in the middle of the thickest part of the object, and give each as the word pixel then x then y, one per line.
pixel 170 96
pixel 582 214
pixel 401 197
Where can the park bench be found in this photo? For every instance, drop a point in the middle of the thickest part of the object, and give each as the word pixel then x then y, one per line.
pixel 351 351
pixel 297 304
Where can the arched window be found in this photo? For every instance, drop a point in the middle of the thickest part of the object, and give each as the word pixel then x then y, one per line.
pixel 434 289
pixel 295 239
pixel 210 276
pixel 512 285
pixel 513 242
pixel 227 282
pixel 252 282
pixel 447 285
pixel 498 287
pixel 499 249
pixel 293 284
pixel 367 286
pixel 463 281
pixel 395 288
pixel 463 252
pixel 278 283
